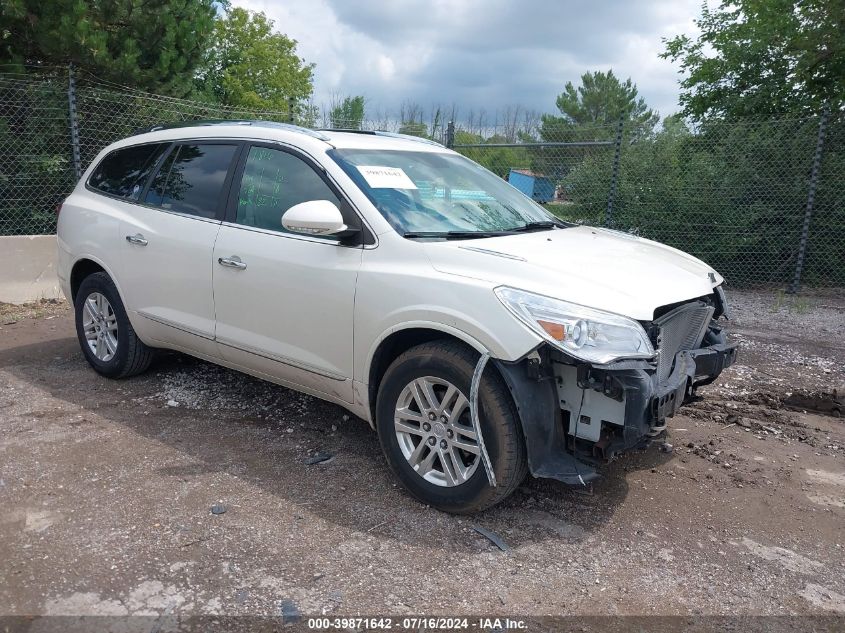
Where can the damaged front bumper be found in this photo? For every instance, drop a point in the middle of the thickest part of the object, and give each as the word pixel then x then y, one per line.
pixel 575 415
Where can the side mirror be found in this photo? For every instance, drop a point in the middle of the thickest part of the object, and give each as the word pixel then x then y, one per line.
pixel 315 217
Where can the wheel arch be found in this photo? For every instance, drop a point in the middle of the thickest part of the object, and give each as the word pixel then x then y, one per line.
pixel 81 270
pixel 399 340
pixel 86 266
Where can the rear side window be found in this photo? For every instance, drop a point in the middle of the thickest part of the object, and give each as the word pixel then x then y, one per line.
pixel 191 179
pixel 124 172
pixel 273 181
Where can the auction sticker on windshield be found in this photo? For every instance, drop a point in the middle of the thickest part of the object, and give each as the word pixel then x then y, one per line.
pixel 386 177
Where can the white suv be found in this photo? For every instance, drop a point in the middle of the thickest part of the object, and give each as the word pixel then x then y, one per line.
pixel 382 272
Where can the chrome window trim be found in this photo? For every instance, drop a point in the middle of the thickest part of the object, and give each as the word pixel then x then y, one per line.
pixel 161 210
pixel 289 234
pixel 237 142
pixel 240 140
pixel 298 150
pixel 93 189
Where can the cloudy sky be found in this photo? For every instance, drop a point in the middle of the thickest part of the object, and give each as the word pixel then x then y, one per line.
pixel 481 53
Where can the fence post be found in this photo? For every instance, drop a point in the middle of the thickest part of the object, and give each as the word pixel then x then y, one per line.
pixel 614 174
pixel 291 104
pixel 450 135
pixel 811 196
pixel 74 123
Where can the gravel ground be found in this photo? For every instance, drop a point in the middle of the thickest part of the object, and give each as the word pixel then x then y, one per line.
pixel 109 490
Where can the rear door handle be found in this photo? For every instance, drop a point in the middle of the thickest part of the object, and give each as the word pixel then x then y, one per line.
pixel 231 262
pixel 137 239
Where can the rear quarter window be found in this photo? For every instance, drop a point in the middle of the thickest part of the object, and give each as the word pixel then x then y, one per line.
pixel 124 172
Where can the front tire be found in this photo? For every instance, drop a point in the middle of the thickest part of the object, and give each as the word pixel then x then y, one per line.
pixel 108 341
pixel 425 430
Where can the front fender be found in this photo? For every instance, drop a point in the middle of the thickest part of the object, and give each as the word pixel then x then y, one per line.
pixel 436 326
pixel 504 337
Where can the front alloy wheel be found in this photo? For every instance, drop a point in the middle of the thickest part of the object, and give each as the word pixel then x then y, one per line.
pixel 434 431
pixel 426 433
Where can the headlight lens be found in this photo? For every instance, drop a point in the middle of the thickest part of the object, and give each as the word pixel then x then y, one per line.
pixel 584 333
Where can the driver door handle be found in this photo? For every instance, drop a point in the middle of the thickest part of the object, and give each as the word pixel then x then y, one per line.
pixel 232 262
pixel 137 239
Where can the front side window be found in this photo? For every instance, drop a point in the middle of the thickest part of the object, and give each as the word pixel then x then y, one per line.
pixel 124 172
pixel 438 193
pixel 273 181
pixel 191 179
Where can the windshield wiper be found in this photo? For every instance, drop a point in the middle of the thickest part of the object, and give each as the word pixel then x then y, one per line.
pixel 540 226
pixel 455 235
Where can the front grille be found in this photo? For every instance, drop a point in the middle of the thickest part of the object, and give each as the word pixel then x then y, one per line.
pixel 680 329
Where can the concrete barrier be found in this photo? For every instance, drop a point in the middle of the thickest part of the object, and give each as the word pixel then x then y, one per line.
pixel 28 268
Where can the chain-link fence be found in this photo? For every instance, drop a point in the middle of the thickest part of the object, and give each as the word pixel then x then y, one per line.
pixel 35 154
pixel 763 202
pixel 53 125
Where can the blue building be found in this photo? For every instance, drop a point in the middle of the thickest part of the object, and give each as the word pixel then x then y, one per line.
pixel 534 185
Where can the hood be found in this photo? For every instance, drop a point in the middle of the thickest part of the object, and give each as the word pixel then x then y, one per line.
pixel 599 268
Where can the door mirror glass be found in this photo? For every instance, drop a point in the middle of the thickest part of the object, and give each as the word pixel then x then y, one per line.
pixel 315 217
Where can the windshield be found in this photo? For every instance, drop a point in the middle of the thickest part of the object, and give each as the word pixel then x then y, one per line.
pixel 427 194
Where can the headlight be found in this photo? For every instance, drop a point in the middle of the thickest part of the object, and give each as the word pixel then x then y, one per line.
pixel 584 333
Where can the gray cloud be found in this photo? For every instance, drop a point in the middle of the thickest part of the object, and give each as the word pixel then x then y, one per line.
pixel 481 53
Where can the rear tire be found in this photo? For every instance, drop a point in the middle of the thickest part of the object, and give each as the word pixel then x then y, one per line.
pixel 441 368
pixel 108 341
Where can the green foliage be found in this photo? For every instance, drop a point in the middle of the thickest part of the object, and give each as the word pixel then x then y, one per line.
pixel 348 113
pixel 414 128
pixel 153 45
pixel 763 58
pixel 467 138
pixel 411 120
pixel 168 47
pixel 731 194
pixel 593 109
pixel 499 160
pixel 250 66
pixel 35 171
pixel 591 112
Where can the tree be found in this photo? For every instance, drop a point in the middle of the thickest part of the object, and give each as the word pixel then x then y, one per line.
pixel 499 160
pixel 598 102
pixel 149 44
pixel 763 58
pixel 411 119
pixel 729 193
pixel 348 113
pixel 250 66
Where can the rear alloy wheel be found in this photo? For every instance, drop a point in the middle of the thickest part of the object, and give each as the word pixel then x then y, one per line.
pixel 426 432
pixel 105 334
pixel 99 322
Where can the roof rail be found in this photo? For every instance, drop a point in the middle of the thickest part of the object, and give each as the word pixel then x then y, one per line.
pixel 270 124
pixel 349 130
pixel 407 137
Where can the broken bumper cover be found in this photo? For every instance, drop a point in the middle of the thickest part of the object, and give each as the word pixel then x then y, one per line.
pixel 649 404
pixel 557 449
